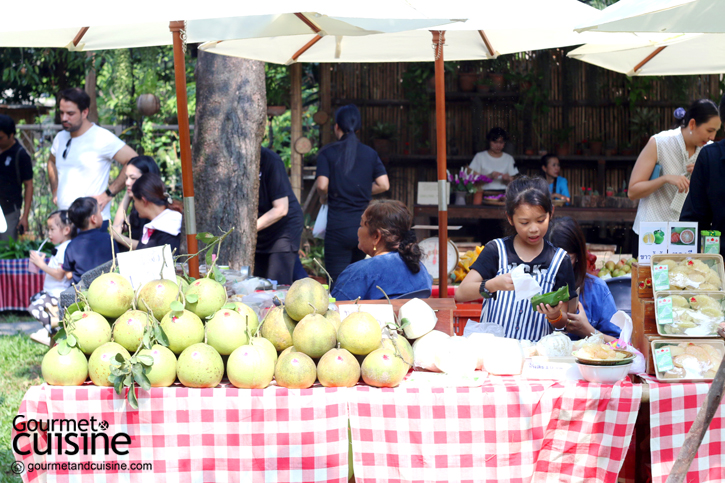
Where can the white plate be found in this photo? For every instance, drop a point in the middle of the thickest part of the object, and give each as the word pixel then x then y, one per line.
pixel 429 247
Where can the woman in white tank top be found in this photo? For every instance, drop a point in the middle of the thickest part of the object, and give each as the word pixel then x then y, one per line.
pixel 675 151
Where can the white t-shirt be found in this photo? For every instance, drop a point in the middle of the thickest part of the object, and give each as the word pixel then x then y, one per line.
pixel 86 169
pixel 52 286
pixel 486 164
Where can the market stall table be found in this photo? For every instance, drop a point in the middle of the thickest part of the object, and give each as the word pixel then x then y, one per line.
pixel 423 213
pixel 510 429
pixel 17 284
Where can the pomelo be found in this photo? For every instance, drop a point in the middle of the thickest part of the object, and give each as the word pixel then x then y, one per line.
pixel 249 315
pixel 200 365
pixel 304 297
pixel 181 282
pixel 110 295
pixel 277 327
pixel 359 333
pixel 338 368
pixel 99 365
pixel 251 367
pixel 211 296
pixel 314 335
pixel 68 370
pixel 91 331
pixel 157 296
pixel 163 372
pixel 295 370
pixel 334 317
pixel 401 344
pixel 183 330
pixel 266 345
pixel 226 331
pixel 382 368
pixel 129 328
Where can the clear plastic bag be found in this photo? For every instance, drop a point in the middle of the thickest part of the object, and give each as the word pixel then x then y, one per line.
pixel 473 326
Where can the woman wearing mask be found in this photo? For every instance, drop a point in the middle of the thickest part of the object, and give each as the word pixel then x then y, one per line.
pixel 661 175
pixel 348 174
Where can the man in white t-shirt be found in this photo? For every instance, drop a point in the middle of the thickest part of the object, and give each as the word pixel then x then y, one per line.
pixel 494 163
pixel 81 156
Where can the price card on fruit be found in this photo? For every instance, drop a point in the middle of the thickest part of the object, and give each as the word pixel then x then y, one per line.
pixel 141 266
pixel 652 240
pixel 660 277
pixel 664 310
pixel 663 359
pixel 683 237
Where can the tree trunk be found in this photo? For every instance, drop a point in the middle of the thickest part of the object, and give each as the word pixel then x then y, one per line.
pixel 91 90
pixel 231 106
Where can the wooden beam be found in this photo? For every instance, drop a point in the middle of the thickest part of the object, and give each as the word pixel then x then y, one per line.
pixel 79 36
pixel 306 47
pixel 296 129
pixel 649 57
pixel 439 39
pixel 489 47
pixel 308 22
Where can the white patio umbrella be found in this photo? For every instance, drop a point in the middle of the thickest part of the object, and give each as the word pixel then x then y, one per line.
pixel 681 54
pixel 493 28
pixel 89 26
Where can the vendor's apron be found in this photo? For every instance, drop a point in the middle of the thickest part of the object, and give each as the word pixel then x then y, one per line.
pixel 518 319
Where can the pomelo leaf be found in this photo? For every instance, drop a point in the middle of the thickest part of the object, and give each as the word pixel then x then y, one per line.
pixel 147 341
pixel 132 400
pixel 112 378
pixel 119 357
pixel 206 237
pixel 118 386
pixel 63 348
pixel 160 335
pixel 128 381
pixel 76 316
pixel 145 360
pixel 230 306
pixel 208 257
pixel 71 340
pixel 60 335
pixel 192 298
pixel 177 306
pixel 140 377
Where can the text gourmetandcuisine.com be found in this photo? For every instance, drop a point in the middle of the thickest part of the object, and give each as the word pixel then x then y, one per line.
pixel 90 466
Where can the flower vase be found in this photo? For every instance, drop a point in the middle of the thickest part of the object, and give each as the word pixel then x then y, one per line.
pixel 460 198
pixel 478 198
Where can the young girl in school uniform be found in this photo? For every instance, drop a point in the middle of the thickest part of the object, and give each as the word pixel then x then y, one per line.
pixel 528 210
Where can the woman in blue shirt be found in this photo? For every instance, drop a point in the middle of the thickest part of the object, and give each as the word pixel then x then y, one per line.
pixel 596 304
pixel 394 266
pixel 558 187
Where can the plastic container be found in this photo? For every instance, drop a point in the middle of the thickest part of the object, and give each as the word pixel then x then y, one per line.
pixel 714 261
pixel 657 344
pixel 603 374
pixel 710 241
pixel 662 329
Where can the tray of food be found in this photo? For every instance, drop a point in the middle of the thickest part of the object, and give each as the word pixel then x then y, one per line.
pixel 689 314
pixel 696 272
pixel 685 360
pixel 602 355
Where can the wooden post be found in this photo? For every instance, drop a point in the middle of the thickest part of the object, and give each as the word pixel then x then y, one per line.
pixel 187 176
pixel 326 104
pixel 438 41
pixel 296 129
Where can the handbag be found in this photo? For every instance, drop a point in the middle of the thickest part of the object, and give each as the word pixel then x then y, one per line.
pixel 656 172
pixel 318 231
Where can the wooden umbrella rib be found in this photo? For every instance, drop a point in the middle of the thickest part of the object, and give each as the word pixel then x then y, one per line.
pixel 306 47
pixel 308 22
pixel 489 47
pixel 649 57
pixel 79 36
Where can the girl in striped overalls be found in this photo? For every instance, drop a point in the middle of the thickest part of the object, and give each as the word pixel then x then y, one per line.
pixel 528 209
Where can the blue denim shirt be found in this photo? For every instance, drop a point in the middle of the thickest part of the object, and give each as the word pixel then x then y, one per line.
pixel 599 306
pixel 387 271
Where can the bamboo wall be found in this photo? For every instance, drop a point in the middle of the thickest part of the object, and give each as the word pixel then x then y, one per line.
pixel 594 102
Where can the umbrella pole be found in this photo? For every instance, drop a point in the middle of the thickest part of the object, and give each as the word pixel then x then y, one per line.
pixel 187 175
pixel 438 41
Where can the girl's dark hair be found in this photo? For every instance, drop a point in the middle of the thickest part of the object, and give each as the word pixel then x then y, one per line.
pixel 495 133
pixel 145 164
pixel 393 220
pixel 150 187
pixel 80 211
pixel 701 110
pixel 532 191
pixel 545 159
pixel 64 220
pixel 348 119
pixel 566 234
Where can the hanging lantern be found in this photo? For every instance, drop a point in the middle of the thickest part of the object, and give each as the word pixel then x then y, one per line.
pixel 148 104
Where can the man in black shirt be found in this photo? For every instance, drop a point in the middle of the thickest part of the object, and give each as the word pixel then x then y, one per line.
pixel 279 222
pixel 16 171
pixel 705 200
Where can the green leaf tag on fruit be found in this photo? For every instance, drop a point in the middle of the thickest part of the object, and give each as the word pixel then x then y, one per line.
pixel 663 359
pixel 664 310
pixel 661 277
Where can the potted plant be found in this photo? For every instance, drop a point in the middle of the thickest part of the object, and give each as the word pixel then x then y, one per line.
pixel 484 85
pixel 610 191
pixel 597 146
pixel 627 149
pixel 610 148
pixel 467 77
pixel 561 137
pixel 383 134
pixel 466 182
pixel 586 149
pixel 643 122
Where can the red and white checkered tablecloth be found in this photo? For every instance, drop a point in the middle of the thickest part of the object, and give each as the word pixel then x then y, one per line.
pixel 203 435
pixel 17 285
pixel 673 409
pixel 510 429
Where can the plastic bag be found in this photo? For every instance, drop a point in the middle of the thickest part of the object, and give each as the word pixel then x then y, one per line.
pixel 318 231
pixel 474 326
